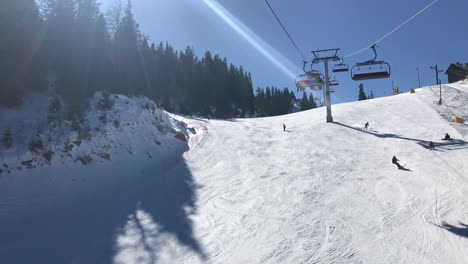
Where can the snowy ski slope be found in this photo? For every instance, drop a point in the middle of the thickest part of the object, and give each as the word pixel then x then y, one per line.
pixel 247 192
pixel 328 193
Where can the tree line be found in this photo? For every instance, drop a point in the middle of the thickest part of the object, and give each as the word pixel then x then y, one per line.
pixel 70 48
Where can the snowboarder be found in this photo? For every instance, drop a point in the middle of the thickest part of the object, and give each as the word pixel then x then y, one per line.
pixel 447 137
pixel 366 125
pixel 395 161
pixel 284 127
pixel 431 145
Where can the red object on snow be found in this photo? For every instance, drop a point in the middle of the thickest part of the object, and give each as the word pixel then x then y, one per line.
pixel 440 101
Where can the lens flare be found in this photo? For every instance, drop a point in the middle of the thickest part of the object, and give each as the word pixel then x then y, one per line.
pixel 259 44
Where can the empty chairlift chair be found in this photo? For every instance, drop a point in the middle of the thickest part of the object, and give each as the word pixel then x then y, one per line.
pixel 333 82
pixel 370 69
pixel 340 67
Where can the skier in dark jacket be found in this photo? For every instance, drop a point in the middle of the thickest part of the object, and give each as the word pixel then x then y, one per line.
pixel 395 161
pixel 366 125
pixel 447 137
pixel 431 145
pixel 284 127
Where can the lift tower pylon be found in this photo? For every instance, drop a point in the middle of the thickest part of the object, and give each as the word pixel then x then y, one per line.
pixel 325 56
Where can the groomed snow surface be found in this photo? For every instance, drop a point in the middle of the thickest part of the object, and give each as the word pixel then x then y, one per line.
pixel 248 192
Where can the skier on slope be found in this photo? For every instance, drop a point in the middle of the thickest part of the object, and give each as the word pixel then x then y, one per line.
pixel 431 145
pixel 447 137
pixel 366 125
pixel 395 161
pixel 284 127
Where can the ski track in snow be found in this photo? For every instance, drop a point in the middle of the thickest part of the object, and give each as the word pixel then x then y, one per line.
pixel 320 193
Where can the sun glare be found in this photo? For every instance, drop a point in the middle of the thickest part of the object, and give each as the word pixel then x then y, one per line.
pixel 259 44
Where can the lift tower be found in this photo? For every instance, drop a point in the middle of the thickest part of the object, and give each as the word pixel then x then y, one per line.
pixel 325 56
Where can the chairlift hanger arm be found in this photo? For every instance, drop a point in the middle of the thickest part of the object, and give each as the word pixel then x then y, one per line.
pixel 373 47
pixel 304 65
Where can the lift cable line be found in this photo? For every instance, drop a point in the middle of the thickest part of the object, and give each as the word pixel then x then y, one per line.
pixel 391 32
pixel 284 29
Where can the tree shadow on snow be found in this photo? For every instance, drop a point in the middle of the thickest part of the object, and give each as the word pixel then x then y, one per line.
pixel 128 224
pixel 439 146
pixel 461 230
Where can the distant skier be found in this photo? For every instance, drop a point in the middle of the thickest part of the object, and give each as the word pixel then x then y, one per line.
pixel 366 125
pixel 284 127
pixel 395 161
pixel 431 145
pixel 447 137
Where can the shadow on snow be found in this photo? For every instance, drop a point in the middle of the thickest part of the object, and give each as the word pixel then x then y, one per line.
pixel 453 144
pixel 138 217
pixel 461 230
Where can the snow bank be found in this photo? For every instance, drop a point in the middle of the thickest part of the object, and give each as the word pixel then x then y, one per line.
pixel 134 132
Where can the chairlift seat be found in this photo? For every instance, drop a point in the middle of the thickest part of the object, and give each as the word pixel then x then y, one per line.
pixel 370 75
pixel 340 69
pixel 314 85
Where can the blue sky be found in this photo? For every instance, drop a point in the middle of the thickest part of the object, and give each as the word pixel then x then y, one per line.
pixel 253 38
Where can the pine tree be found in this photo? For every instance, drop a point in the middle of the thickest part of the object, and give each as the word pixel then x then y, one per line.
pixel 114 17
pixel 60 19
pixel 312 101
pixel 55 107
pixel 305 102
pixel 362 94
pixel 126 53
pixel 7 139
pixel 101 75
pixel 20 62
pixel 267 105
pixel 250 99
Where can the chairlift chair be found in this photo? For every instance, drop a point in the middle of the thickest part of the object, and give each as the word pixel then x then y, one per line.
pixel 303 81
pixel 340 67
pixel 376 70
pixel 312 79
pixel 333 82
